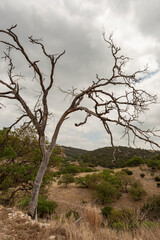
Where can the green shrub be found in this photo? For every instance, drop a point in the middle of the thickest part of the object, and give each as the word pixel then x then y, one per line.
pixel 107 192
pixel 82 182
pixel 137 193
pixel 72 213
pixel 157 179
pixel 122 219
pixel 71 169
pixel 88 169
pixel 45 207
pixel 152 208
pixel 135 161
pixel 66 179
pixel 153 164
pixel 126 170
pixel 9 153
pixel 125 181
pixel 106 211
pixel 113 179
pixel 158 185
pixel 142 175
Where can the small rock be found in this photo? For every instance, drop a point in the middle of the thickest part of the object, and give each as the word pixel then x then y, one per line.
pixel 52 237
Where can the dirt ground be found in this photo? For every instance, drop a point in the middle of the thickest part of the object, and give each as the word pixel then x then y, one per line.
pixel 15 225
pixel 74 197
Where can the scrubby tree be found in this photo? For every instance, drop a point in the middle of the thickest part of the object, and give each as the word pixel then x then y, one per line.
pixel 66 179
pixel 135 161
pixel 20 157
pixel 126 105
pixel 107 192
pixel 136 190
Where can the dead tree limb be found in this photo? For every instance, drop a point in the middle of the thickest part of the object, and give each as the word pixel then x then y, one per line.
pixel 116 94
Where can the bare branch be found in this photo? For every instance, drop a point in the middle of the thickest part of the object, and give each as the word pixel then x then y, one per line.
pixel 17 121
pixel 113 100
pixel 81 123
pixel 126 105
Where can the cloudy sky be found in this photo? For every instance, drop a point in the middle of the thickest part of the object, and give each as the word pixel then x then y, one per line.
pixel 76 26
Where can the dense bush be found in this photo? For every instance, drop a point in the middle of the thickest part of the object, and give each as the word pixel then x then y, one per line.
pixel 122 219
pixel 73 169
pixel 45 207
pixel 93 180
pixel 106 211
pixel 66 179
pixel 154 164
pixel 135 161
pixel 70 169
pixel 107 176
pixel 126 170
pixel 137 193
pixel 152 208
pixel 126 182
pixel 20 157
pixel 157 179
pixel 142 175
pixel 82 181
pixel 107 192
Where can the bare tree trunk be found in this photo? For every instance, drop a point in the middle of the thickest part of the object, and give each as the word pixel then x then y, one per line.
pixel 32 208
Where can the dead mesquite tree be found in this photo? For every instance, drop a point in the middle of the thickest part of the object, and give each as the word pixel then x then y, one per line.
pixel 126 106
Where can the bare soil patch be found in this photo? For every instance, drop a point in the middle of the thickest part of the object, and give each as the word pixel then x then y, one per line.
pixel 75 198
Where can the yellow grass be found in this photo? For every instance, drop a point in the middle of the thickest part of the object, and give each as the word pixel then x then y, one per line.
pixel 88 228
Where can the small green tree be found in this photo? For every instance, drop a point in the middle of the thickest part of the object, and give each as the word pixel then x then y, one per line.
pixel 107 192
pixel 107 211
pixel 125 181
pixel 70 169
pixel 20 158
pixel 142 175
pixel 82 181
pixel 66 179
pixel 122 219
pixel 137 193
pixel 10 154
pixel 45 207
pixel 135 161
pixel 151 208
pixel 153 164
pixel 157 179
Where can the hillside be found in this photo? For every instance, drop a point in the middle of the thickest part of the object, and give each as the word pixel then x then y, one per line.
pixel 73 152
pixel 15 225
pixel 104 156
pixel 78 198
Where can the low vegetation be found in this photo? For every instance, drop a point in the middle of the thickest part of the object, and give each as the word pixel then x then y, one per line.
pixel 45 208
pixel 19 160
pixel 124 157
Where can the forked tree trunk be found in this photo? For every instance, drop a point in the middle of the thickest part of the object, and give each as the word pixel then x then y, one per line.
pixel 32 208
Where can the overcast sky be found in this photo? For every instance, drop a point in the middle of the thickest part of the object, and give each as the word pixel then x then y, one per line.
pixel 76 26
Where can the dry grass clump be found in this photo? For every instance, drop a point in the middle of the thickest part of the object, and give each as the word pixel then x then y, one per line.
pixel 93 218
pixel 90 228
pixel 21 230
pixel 70 231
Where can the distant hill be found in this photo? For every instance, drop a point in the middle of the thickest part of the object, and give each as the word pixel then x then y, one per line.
pixel 104 156
pixel 73 152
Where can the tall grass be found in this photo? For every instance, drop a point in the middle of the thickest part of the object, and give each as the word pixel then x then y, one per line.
pixel 70 231
pixel 91 228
